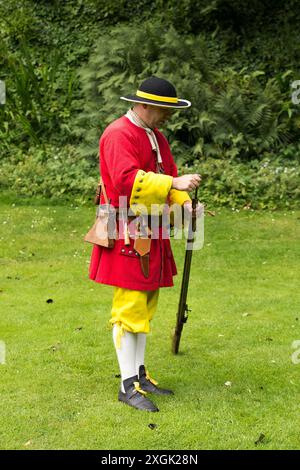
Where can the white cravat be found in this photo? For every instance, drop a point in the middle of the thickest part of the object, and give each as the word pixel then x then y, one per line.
pixel 135 119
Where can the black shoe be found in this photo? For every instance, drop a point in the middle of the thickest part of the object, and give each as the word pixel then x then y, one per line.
pixel 134 396
pixel 149 385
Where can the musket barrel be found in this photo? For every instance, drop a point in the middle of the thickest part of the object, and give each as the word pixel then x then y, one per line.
pixel 182 306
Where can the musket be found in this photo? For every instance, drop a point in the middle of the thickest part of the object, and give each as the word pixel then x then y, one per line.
pixel 182 313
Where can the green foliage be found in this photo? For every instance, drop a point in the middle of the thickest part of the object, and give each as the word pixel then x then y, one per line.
pixel 50 172
pixel 61 174
pixel 267 183
pixel 66 64
pixel 41 45
pixel 233 114
pixel 38 99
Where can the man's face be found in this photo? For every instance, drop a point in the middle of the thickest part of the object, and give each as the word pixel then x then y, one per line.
pixel 159 115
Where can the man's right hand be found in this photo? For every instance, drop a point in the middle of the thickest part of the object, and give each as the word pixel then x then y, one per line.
pixel 186 182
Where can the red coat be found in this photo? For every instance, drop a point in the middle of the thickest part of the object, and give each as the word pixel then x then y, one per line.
pixel 125 149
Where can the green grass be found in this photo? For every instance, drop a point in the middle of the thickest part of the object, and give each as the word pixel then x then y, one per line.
pixel 58 386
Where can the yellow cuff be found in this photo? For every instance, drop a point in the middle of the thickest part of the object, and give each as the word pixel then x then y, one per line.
pixel 178 197
pixel 149 188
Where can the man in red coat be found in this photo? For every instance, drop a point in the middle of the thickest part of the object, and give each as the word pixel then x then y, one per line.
pixel 136 165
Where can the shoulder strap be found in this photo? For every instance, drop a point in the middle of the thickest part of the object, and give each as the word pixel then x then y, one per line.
pixel 97 195
pixel 107 201
pixel 100 187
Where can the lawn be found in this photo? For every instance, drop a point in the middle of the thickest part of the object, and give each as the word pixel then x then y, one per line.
pixel 236 385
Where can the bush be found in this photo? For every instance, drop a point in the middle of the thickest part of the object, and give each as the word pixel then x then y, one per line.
pixel 267 183
pixel 233 114
pixel 51 173
pixel 234 60
pixel 60 174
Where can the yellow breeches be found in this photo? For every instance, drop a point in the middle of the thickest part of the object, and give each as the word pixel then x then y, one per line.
pixel 133 310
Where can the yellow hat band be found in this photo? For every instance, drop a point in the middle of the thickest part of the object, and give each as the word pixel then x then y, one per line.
pixel 149 96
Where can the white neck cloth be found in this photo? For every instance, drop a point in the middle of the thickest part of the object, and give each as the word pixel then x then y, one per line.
pixel 135 119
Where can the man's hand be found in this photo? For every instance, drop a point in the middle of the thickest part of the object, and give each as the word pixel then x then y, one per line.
pixel 188 208
pixel 186 182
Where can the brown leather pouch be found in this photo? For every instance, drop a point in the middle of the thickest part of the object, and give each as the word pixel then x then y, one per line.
pixel 103 232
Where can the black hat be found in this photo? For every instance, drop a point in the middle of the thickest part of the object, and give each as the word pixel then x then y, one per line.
pixel 158 92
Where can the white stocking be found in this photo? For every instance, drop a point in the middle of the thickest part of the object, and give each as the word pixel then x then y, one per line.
pixel 140 351
pixel 125 344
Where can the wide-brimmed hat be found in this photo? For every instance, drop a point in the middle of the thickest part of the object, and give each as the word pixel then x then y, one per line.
pixel 158 92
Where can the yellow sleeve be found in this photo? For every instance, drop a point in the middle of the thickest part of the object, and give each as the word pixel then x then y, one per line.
pixel 149 188
pixel 178 197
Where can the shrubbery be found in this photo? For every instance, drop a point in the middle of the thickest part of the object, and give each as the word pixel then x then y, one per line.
pixel 50 172
pixel 63 175
pixel 67 63
pixel 267 183
pixel 233 114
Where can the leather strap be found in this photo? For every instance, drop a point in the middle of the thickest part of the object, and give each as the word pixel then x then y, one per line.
pixel 104 191
pixel 98 192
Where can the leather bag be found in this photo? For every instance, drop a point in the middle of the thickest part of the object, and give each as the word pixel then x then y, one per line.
pixel 103 232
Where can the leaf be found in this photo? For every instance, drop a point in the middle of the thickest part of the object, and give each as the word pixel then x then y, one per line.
pixel 152 425
pixel 287 73
pixel 260 439
pixel 55 347
pixel 257 73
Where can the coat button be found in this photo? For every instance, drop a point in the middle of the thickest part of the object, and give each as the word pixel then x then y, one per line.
pixel 130 252
pixel 123 250
pixel 139 189
pixel 140 181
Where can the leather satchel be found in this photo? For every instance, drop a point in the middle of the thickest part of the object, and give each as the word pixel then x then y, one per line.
pixel 103 232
